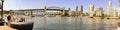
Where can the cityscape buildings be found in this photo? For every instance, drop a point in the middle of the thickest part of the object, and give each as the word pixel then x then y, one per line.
pixel 110 11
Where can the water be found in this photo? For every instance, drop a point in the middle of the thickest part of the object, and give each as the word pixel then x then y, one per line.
pixel 73 23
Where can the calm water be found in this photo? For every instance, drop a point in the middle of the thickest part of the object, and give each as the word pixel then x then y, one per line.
pixel 73 23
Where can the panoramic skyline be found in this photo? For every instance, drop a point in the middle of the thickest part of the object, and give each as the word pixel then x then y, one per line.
pixel 39 4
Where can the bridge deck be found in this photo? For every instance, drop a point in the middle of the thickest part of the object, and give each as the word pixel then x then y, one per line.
pixel 40 9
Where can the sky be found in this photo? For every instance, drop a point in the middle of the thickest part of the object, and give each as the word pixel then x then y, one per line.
pixel 39 4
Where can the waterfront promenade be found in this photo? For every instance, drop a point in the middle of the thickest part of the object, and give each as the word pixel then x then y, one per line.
pixel 6 28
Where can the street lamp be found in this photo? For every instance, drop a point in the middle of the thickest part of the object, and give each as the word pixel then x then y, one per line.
pixel 2 1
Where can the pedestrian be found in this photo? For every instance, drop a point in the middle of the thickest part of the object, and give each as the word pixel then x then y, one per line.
pixel 9 18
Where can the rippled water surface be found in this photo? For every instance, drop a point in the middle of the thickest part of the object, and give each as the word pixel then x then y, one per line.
pixel 73 23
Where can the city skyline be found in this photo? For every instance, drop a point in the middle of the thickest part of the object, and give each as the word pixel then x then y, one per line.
pixel 38 4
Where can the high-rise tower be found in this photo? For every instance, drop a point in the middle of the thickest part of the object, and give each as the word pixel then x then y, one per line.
pixel 76 10
pixel 118 9
pixel 91 10
pixel 81 10
pixel 109 8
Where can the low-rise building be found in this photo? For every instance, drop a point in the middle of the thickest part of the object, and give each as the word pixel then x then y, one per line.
pixel 99 11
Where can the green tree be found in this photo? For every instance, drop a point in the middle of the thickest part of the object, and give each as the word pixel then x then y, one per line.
pixel 94 14
pixel 119 16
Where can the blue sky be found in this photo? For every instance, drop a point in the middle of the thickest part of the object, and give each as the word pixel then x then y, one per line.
pixel 38 4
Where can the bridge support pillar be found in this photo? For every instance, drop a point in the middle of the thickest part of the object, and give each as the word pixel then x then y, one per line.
pixel 63 11
pixel 31 12
pixel 45 10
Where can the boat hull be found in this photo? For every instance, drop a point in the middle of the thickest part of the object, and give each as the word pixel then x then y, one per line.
pixel 26 26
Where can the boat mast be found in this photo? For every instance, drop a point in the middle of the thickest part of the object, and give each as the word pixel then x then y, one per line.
pixel 2 9
pixel 119 3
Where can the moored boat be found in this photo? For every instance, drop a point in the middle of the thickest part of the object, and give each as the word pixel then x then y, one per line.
pixel 22 25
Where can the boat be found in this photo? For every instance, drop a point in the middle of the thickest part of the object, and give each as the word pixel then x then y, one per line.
pixel 22 25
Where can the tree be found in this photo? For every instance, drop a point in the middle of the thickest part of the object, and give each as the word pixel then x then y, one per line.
pixel 119 16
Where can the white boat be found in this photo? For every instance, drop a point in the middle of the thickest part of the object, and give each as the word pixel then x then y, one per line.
pixel 22 25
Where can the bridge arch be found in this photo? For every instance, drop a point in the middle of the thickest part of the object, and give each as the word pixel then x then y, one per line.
pixel 53 7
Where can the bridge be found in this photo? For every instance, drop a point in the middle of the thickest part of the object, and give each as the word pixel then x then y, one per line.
pixel 53 8
pixel 41 11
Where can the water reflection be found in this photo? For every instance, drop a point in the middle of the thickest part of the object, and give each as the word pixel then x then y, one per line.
pixel 74 23
pixel 45 25
pixel 98 24
pixel 69 22
pixel 110 24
